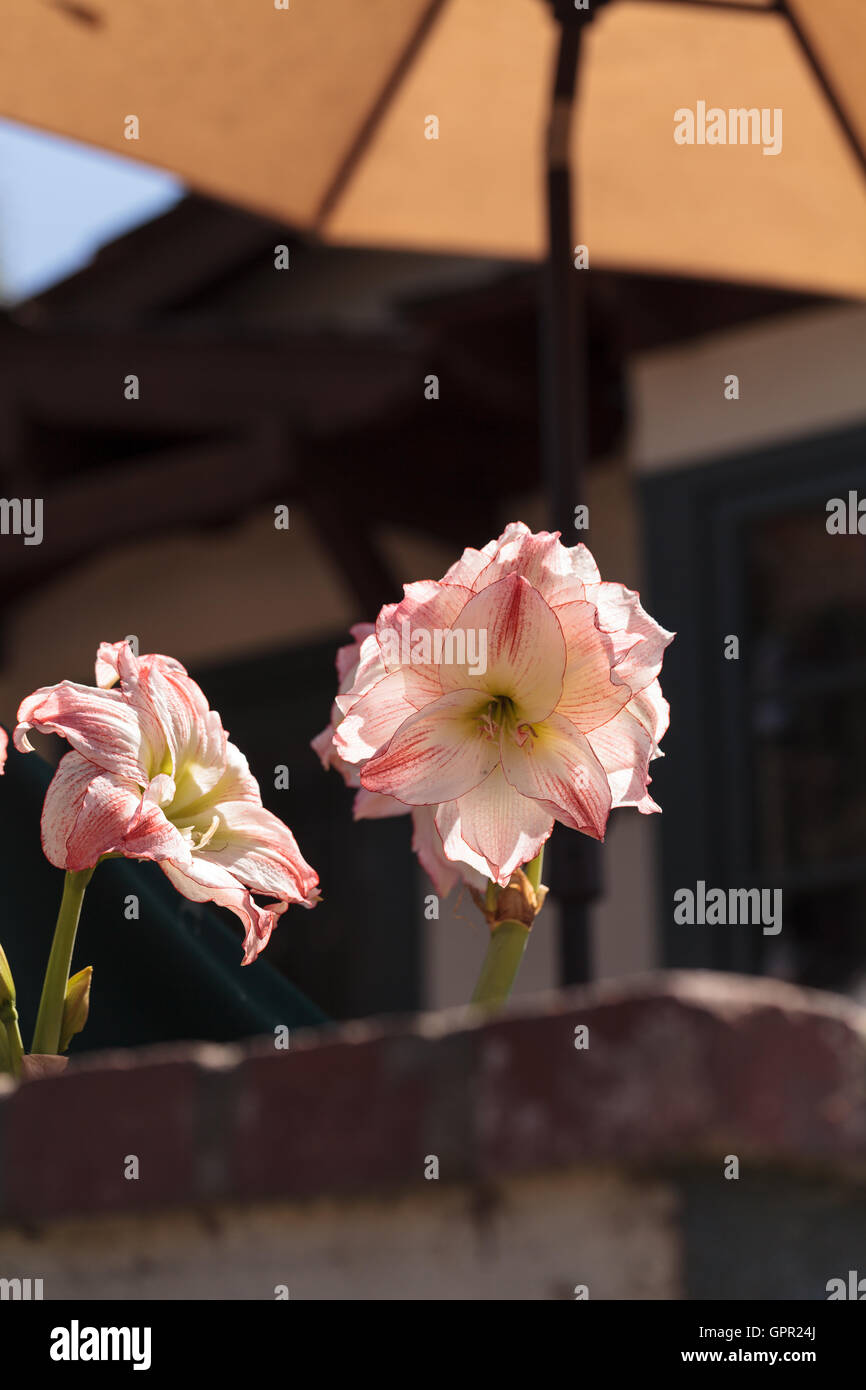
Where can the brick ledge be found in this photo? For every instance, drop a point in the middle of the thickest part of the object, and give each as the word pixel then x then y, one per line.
pixel 681 1068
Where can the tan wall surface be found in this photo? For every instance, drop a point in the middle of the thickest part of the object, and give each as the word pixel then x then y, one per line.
pixel 544 1236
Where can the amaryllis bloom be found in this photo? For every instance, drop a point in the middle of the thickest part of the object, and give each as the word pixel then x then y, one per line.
pixel 426 840
pixel 519 690
pixel 4 745
pixel 152 775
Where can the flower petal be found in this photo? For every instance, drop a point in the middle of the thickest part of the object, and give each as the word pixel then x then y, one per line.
pixel 62 806
pixel 405 629
pixel 193 732
pixel 463 865
pixel 624 748
pixel 640 639
pixel 252 851
pixel 349 656
pixel 556 764
pixel 466 570
pixel 375 718
pixel 522 643
pixel 589 696
pixel 114 660
pixel 236 783
pixel 503 826
pixel 368 671
pixel 653 711
pixel 374 806
pixel 100 724
pixel 261 852
pixel 436 755
pixel 150 835
pixel 205 882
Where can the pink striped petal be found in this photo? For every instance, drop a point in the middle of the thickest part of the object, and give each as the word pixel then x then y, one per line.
pixel 261 853
pixel 589 696
pixel 63 802
pixel 642 641
pixel 436 755
pixel 462 865
pixel 406 628
pixel 4 748
pixel 323 746
pixel 525 648
pixel 204 882
pixel 114 660
pixel 375 718
pixel 85 814
pixel 150 835
pixel 558 573
pixel 349 656
pixel 624 748
pixel 504 827
pixel 556 764
pixel 100 724
pixel 193 732
pixel 653 711
pixel 466 570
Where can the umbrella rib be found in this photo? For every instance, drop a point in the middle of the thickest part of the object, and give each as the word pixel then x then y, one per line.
pixel 371 122
pixel 824 83
pixel 782 8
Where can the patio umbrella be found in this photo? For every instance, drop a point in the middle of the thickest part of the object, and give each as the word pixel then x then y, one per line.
pixel 450 125
pixel 317 114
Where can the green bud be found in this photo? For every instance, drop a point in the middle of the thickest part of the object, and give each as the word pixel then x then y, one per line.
pixel 10 1035
pixel 7 984
pixel 76 1006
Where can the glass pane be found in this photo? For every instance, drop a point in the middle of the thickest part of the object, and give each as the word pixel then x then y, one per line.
pixel 810 778
pixel 806 596
pixel 823 941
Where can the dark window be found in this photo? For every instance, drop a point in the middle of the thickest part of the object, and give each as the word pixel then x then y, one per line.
pixel 765 780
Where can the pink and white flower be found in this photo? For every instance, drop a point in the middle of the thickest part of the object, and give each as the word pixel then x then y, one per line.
pixel 4 748
pixel 560 724
pixel 352 668
pixel 152 775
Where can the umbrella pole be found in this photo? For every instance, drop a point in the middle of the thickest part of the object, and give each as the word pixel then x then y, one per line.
pixel 573 874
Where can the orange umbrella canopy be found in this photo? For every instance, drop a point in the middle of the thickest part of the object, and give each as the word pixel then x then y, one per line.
pixel 319 113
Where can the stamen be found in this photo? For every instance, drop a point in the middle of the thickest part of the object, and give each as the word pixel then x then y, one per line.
pixel 208 834
pixel 490 720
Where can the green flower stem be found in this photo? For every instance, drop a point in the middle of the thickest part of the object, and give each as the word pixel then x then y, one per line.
pixel 533 869
pixel 504 954
pixel 46 1038
pixel 508 941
